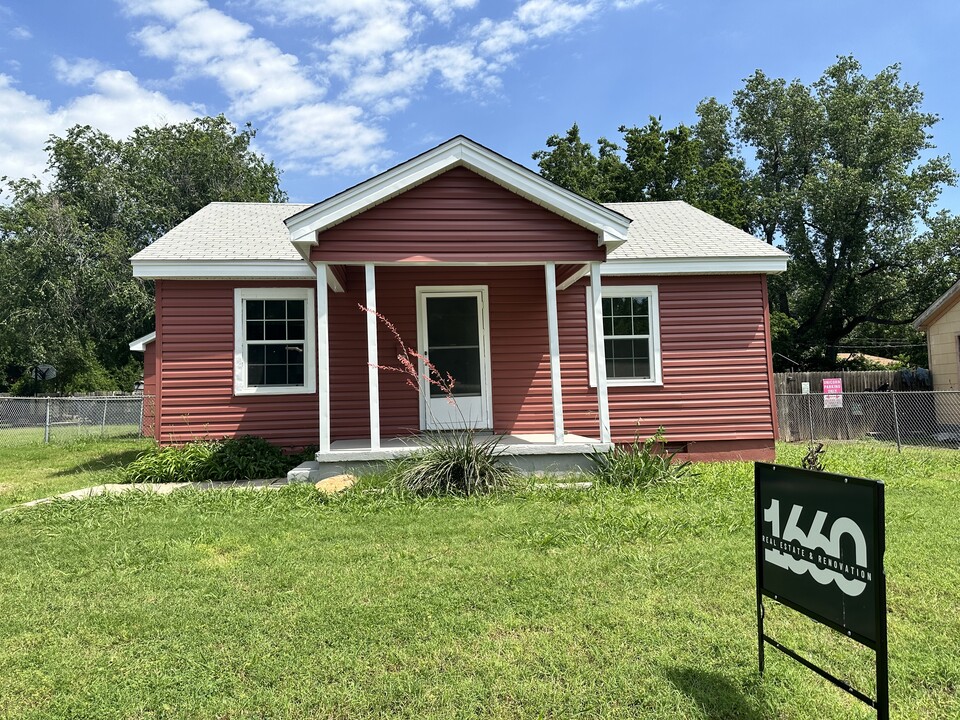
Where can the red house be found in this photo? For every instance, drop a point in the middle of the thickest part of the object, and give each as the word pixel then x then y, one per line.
pixel 566 324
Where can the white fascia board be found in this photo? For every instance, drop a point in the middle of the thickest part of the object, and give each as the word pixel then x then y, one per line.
pixel 696 266
pixel 140 344
pixel 223 269
pixel 610 226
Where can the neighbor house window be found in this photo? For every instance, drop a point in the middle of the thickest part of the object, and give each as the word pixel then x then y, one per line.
pixel 631 335
pixel 275 350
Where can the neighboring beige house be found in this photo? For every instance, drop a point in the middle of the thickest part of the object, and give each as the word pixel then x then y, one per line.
pixel 941 323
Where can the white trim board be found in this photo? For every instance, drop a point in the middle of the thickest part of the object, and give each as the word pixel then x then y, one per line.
pixel 695 266
pixel 140 344
pixel 309 343
pixel 656 356
pixel 610 225
pixel 186 269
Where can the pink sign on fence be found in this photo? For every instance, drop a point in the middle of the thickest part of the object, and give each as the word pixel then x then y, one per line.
pixel 832 393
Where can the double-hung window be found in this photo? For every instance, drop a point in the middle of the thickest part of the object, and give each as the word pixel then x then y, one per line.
pixel 631 335
pixel 274 341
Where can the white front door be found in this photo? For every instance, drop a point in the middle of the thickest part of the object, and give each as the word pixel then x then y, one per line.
pixel 453 334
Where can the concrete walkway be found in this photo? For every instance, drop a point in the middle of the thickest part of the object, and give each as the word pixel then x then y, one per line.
pixel 158 488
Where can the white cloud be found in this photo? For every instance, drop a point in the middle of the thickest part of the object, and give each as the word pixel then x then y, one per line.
pixel 254 73
pixel 116 104
pixel 322 138
pixel 21 33
pixel 374 57
pixel 76 71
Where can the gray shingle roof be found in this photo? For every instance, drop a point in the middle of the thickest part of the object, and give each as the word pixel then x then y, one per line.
pixel 674 229
pixel 256 231
pixel 229 231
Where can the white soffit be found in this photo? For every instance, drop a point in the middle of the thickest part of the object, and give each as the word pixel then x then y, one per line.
pixel 610 225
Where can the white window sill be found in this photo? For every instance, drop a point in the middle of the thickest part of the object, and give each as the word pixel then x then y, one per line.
pixel 279 390
pixel 631 383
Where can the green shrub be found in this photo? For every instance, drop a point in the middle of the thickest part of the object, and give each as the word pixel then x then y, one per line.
pixel 239 458
pixel 453 463
pixel 638 465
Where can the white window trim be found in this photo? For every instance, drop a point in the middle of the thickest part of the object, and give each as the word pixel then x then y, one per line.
pixel 240 346
pixel 656 360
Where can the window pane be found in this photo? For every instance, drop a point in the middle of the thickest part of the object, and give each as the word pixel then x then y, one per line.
pixel 641 305
pixel 295 309
pixel 452 321
pixel 256 354
pixel 276 355
pixel 464 365
pixel 275 309
pixel 275 330
pixel 254 309
pixel 628 358
pixel 621 306
pixel 294 354
pixel 295 374
pixel 622 326
pixel 641 325
pixel 276 375
pixel 295 330
pixel 255 375
pixel 254 330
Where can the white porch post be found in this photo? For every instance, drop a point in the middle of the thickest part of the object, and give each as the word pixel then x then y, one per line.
pixel 323 351
pixel 373 372
pixel 553 331
pixel 602 405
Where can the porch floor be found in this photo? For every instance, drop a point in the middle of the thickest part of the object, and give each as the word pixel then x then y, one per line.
pixel 522 444
pixel 526 452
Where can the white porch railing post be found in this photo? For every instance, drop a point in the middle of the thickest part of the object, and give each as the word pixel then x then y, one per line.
pixel 553 331
pixel 373 372
pixel 602 405
pixel 323 353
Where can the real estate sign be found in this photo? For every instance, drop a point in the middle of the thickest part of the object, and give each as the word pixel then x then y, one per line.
pixel 819 550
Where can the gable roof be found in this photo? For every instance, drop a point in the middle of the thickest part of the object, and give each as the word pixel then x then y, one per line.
pixel 609 224
pixel 939 306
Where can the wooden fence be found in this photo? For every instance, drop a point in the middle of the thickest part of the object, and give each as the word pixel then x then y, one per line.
pixel 853 381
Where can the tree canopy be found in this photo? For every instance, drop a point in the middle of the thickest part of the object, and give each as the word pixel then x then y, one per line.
pixel 840 173
pixel 68 297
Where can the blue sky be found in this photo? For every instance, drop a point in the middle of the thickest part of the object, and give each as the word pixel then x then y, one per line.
pixel 342 88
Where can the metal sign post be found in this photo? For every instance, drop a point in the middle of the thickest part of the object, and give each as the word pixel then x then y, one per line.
pixel 819 550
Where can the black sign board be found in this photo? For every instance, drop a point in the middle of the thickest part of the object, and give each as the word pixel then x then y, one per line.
pixel 819 547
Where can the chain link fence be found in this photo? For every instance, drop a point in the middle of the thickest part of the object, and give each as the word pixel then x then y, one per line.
pixel 26 420
pixel 924 418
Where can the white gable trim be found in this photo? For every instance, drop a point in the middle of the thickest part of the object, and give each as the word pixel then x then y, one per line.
pixel 186 268
pixel 140 344
pixel 695 266
pixel 610 226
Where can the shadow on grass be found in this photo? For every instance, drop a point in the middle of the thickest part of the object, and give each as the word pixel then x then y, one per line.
pixel 719 698
pixel 106 461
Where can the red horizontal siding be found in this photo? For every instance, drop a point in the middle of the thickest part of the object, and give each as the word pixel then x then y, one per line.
pixel 716 360
pixel 195 343
pixel 148 428
pixel 519 353
pixel 458 216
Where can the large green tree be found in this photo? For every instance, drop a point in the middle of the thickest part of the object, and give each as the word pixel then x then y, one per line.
pixel 845 176
pixel 68 297
pixel 839 172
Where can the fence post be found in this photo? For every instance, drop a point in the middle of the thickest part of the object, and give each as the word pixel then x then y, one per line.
pixel 810 414
pixel 103 423
pixel 142 400
pixel 46 425
pixel 896 420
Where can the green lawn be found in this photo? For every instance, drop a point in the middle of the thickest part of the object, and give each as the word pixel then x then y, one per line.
pixel 545 605
pixel 34 470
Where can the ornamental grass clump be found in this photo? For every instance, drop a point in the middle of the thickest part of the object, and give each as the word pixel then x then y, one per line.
pixel 641 464
pixel 453 463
